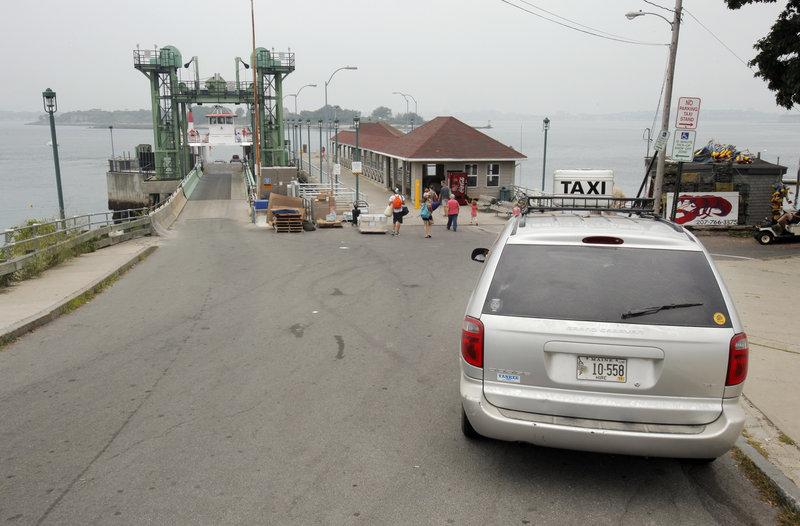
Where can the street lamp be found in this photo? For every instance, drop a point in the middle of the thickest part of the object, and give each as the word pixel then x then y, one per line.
pixel 295 140
pixel 415 105
pixel 545 127
pixel 111 131
pixel 406 98
pixel 308 126
pixel 319 124
pixel 51 106
pixel 336 149
pixel 673 50
pixel 298 93
pixel 356 122
pixel 325 109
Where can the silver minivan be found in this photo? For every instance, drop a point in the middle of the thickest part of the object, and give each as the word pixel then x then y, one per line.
pixel 604 332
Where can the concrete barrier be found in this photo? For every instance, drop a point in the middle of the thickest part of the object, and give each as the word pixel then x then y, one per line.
pixel 163 218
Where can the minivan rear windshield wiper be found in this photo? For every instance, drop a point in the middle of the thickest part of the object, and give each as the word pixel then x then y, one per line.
pixel 653 310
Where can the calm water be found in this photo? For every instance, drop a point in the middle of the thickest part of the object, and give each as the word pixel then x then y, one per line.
pixel 28 185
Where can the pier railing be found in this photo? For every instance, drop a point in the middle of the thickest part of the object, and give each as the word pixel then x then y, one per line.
pixel 22 245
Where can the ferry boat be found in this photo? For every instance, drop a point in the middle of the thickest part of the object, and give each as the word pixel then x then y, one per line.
pixel 221 130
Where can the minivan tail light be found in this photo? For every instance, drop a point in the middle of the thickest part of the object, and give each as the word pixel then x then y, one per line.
pixel 472 341
pixel 737 360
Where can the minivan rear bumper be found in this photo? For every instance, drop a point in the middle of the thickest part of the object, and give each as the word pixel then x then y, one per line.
pixel 701 441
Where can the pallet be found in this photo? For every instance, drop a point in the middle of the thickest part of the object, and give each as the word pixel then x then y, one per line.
pixel 287 223
pixel 321 223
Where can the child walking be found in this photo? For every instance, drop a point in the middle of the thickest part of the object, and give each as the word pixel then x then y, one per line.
pixel 473 218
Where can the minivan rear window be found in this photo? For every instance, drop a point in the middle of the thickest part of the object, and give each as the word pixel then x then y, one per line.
pixel 607 284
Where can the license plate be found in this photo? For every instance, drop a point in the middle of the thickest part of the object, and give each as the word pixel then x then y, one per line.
pixel 602 369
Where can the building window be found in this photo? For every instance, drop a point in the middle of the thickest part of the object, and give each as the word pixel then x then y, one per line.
pixel 492 174
pixel 472 174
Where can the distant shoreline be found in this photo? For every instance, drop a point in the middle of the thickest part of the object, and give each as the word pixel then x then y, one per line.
pixel 132 126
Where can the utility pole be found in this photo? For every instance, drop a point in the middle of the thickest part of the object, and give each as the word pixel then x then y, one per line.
pixel 658 184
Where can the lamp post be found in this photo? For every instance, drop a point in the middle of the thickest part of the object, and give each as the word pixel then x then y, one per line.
pixel 415 109
pixel 51 106
pixel 256 134
pixel 325 109
pixel 319 124
pixel 415 105
pixel 298 93
pixel 545 127
pixel 406 98
pixel 356 122
pixel 673 50
pixel 336 149
pixel 111 131
pixel 308 126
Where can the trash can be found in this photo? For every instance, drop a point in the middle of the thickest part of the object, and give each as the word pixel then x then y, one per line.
pixel 505 194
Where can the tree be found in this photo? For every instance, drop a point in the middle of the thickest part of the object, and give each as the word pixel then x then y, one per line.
pixel 778 58
pixel 381 113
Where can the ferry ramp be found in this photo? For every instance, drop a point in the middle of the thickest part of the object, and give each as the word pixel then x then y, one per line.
pixel 219 194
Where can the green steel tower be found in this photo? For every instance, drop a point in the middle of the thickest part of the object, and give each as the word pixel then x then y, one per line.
pixel 170 98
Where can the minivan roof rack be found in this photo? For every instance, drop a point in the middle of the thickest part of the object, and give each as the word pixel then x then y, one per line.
pixel 564 203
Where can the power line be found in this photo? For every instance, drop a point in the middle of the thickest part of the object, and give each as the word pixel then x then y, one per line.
pixel 718 40
pixel 588 31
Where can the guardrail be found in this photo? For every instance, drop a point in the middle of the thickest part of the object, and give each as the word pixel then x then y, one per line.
pixel 341 192
pixel 21 245
pixel 343 196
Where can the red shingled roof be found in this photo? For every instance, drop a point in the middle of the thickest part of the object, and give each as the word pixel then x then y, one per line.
pixel 442 138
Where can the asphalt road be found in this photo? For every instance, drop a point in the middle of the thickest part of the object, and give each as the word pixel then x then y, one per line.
pixel 239 376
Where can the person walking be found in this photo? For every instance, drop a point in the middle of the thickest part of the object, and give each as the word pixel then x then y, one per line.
pixel 397 201
pixel 452 209
pixel 473 213
pixel 426 214
pixel 433 201
pixel 444 193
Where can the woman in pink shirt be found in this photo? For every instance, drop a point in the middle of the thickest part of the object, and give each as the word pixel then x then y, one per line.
pixel 452 213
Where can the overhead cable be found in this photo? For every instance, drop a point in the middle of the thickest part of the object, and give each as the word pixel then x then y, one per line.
pixel 588 30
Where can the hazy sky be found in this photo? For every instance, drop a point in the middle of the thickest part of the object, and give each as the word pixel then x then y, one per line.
pixel 452 56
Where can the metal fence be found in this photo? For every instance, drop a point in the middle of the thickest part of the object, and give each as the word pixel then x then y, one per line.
pixel 343 194
pixel 37 236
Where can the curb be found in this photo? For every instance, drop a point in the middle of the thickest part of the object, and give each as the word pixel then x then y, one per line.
pixel 51 313
pixel 785 487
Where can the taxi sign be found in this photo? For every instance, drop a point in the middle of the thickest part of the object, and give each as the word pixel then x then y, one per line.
pixel 688 113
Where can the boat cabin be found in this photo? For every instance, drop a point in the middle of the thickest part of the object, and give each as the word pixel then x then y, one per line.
pixel 221 127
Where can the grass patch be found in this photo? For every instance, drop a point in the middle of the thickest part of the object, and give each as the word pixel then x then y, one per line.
pixel 89 295
pixel 755 444
pixel 767 491
pixel 5 341
pixel 44 259
pixel 786 439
